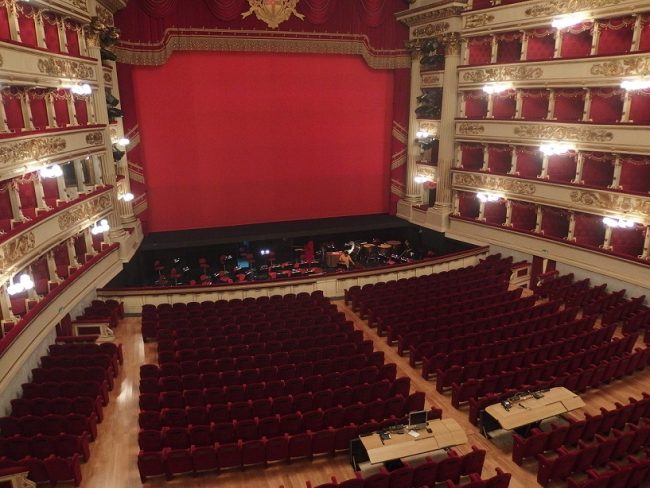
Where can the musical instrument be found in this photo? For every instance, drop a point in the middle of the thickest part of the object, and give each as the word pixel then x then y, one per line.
pixel 332 258
pixel 394 244
pixel 384 249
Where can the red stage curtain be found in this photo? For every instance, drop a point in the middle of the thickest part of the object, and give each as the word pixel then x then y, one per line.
pixel 81 109
pixel 38 107
pixel 480 50
pixel 5 34
pixel 534 104
pixel 529 163
pixel 468 205
pixel 569 104
pixel 327 127
pixel 555 222
pixel 26 24
pixel 72 37
pixel 372 12
pixel 576 41
pixel 508 47
pixel 524 215
pixel 499 159
pixel 51 29
pixel 61 113
pixel 640 107
pixel 644 41
pixel 222 9
pixel 157 8
pixel 13 110
pixel 476 103
pixel 471 156
pixel 399 136
pixel 319 11
pixel 504 105
pixel 635 174
pixel 589 229
pixel 562 167
pixel 495 212
pixel 615 36
pixel 628 241
pixel 598 169
pixel 606 105
pixel 541 44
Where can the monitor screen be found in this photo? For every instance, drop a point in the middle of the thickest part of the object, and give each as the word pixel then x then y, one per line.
pixel 242 263
pixel 418 418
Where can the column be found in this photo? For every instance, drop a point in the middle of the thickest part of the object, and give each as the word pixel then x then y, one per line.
pixel 63 40
pixel 3 118
pixel 627 102
pixel 88 237
pixel 97 170
pixel 40 31
pixel 513 165
pixel 51 267
pixel 51 115
pixel 494 49
pixel 461 104
pixel 72 110
pixel 550 115
pixel 456 204
pixel 580 163
pixel 572 226
pixel 5 306
pixel 90 108
pixel 519 102
pixel 79 174
pixel 465 49
pixel 558 44
pixel 40 194
pixel 608 238
pixel 508 222
pixel 586 114
pixel 538 220
pixel 72 253
pixel 14 30
pixel 486 157
pixel 459 156
pixel 636 34
pixel 524 45
pixel 544 173
pixel 490 106
pixel 26 110
pixel 595 37
pixel 481 211
pixel 617 173
pixel 14 198
pixel 646 244
pixel 413 149
pixel 447 120
pixel 60 186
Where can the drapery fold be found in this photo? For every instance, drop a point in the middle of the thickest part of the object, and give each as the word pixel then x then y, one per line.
pixel 319 11
pixel 158 8
pixel 226 9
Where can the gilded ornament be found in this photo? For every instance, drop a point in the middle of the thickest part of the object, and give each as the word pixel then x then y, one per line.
pixel 65 68
pixel 426 170
pixel 30 149
pixel 16 249
pixel 80 4
pixel 104 15
pixel 431 15
pixel 555 7
pixel 95 138
pixel 469 129
pixel 639 66
pixel 1 60
pixel 584 134
pixel 478 20
pixel 495 183
pixel 614 202
pixel 431 79
pixel 451 41
pixel 108 78
pixel 273 12
pixel 503 73
pixel 87 210
pixel 430 30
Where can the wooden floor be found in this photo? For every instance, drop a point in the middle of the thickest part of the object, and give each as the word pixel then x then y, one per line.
pixel 113 456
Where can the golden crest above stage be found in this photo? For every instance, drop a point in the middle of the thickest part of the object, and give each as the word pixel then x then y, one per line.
pixel 273 12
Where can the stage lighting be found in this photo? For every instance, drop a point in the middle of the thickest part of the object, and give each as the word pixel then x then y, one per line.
pixel 113 113
pixel 107 55
pixel 117 153
pixel 111 100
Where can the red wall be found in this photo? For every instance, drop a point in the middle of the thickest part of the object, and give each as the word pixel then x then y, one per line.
pixel 237 138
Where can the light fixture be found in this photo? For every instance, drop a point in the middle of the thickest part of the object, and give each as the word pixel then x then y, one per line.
pixel 100 227
pixel 619 223
pixel 25 282
pixel 420 179
pixel 639 84
pixel 52 171
pixel 127 197
pixel 489 197
pixel 83 89
pixel 117 153
pixel 569 20
pixel 556 148
pixel 491 88
pixel 265 252
pixel 424 139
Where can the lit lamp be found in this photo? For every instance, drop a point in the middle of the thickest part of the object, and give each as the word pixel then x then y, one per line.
pixel 100 227
pixel 127 197
pixel 568 20
pixel 52 171
pixel 633 85
pixel 492 88
pixel 25 282
pixel 556 148
pixel 83 89
pixel 489 197
pixel 619 223
pixel 424 139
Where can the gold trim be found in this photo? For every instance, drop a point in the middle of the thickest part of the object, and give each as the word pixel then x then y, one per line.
pixel 427 170
pixel 431 30
pixel 639 66
pixel 609 201
pixel 431 79
pixel 562 133
pixel 65 68
pixel 468 128
pixel 490 182
pixel 274 42
pixel 503 73
pixel 95 138
pixel 431 15
pixel 88 210
pixel 30 149
pixel 478 20
pixel 81 4
pixel 274 14
pixel 16 249
pixel 108 77
pixel 555 7
pixel 451 41
pixel 1 60
pixel 104 15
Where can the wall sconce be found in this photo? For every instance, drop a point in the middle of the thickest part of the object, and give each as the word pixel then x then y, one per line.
pixel 424 139
pixel 117 153
pixel 556 148
pixel 496 87
pixel 569 20
pixel 52 171
pixel 25 283
pixel 632 85
pixel 489 197
pixel 619 223
pixel 122 141
pixel 83 89
pixel 127 197
pixel 100 227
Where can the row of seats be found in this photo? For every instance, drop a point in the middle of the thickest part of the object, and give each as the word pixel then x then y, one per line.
pixel 536 316
pixel 67 389
pixel 41 407
pixel 623 309
pixel 50 424
pixel 601 358
pixel 636 472
pixel 573 431
pixel 450 371
pixel 43 446
pixel 110 349
pixel 109 365
pixel 58 375
pixel 53 469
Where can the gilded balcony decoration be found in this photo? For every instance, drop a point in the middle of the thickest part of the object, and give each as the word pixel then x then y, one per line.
pixel 104 15
pixel 411 19
pixel 65 68
pixel 636 66
pixel 478 20
pixel 561 133
pixel 503 73
pixel 30 149
pixel 273 13
pixel 431 30
pixel 95 138
pixel 86 211
pixel 16 249
pixel 556 7
pixel 469 128
pixel 493 183
pixel 614 202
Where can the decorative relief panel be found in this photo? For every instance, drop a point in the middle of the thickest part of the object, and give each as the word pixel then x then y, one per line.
pixel 431 30
pixel 15 249
pixel 638 66
pixel 104 15
pixel 502 73
pixel 30 149
pixel 555 7
pixel 429 80
pixel 427 170
pixel 469 128
pixel 65 68
pixel 495 183
pixel 86 211
pixel 478 20
pixel 95 138
pixel 612 202
pixel 562 133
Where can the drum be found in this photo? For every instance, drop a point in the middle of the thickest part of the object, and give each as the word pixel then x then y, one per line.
pixel 332 258
pixel 384 249
pixel 394 244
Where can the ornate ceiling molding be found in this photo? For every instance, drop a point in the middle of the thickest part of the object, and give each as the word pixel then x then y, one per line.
pixel 503 73
pixel 618 203
pixel 555 7
pixel 494 183
pixel 30 149
pixel 563 133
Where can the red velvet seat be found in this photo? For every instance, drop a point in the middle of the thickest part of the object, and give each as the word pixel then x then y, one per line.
pixel 150 464
pixel 63 469
pixel 177 461
pixel 204 458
